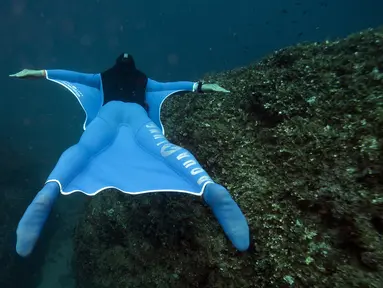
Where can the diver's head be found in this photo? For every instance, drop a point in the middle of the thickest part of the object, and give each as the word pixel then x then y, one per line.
pixel 126 62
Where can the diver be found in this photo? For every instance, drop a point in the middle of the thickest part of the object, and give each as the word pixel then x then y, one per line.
pixel 124 147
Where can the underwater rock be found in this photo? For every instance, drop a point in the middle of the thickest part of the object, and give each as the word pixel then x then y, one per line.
pixel 298 142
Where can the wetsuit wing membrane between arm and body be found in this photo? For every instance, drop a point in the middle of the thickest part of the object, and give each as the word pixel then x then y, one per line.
pixel 157 92
pixel 87 88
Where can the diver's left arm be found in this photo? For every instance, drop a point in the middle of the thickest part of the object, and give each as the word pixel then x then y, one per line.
pixel 198 87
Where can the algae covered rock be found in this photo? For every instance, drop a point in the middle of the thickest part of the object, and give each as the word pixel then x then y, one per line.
pixel 299 143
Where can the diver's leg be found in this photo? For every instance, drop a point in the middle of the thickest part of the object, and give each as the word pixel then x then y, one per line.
pixel 34 218
pixel 94 138
pixel 228 214
pixel 216 196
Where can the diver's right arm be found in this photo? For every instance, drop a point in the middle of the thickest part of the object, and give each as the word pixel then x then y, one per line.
pixel 92 80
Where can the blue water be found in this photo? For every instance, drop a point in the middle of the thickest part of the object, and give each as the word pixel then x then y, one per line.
pixel 170 40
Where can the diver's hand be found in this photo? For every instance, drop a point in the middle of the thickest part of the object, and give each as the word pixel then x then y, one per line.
pixel 213 88
pixel 29 73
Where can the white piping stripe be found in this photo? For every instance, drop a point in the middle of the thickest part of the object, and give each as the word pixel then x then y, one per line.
pixel 130 193
pixel 163 100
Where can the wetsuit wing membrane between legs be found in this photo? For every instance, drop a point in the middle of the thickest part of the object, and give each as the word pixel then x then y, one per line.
pixel 156 94
pixel 125 150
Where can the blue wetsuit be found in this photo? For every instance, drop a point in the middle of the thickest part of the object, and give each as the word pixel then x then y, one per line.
pixel 124 147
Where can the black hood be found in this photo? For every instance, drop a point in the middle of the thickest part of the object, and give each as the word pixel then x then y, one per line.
pixel 125 62
pixel 124 82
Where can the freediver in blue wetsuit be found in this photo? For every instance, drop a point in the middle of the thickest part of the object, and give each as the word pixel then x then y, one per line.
pixel 124 147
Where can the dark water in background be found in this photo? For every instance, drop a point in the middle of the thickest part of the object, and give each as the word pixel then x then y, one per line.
pixel 171 40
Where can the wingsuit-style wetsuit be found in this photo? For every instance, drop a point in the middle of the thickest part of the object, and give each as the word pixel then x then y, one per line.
pixel 124 147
